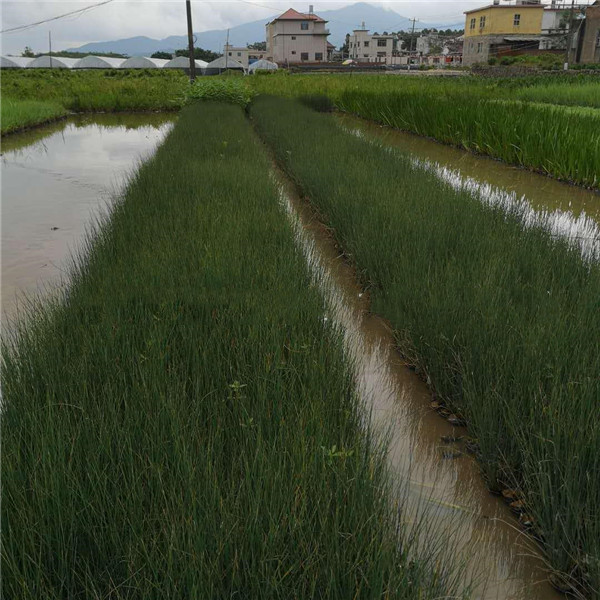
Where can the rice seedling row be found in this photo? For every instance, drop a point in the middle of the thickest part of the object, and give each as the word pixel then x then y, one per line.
pixel 181 421
pixel 502 319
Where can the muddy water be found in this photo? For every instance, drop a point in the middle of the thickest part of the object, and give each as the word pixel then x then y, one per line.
pixel 544 193
pixel 55 180
pixel 444 485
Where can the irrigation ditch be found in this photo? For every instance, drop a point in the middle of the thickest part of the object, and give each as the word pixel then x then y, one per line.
pixel 440 482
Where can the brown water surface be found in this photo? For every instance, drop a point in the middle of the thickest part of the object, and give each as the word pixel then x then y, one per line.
pixel 541 191
pixel 55 180
pixel 444 484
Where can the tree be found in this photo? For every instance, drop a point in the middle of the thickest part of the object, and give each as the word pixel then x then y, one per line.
pixel 28 52
pixel 258 46
pixel 199 53
pixel 159 54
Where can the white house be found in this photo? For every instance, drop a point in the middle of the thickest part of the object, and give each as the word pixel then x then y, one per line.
pixel 366 47
pixel 295 37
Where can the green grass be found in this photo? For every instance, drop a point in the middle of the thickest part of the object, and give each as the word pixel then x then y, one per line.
pixel 18 114
pixel 181 423
pixel 504 320
pixel 556 140
pixel 89 91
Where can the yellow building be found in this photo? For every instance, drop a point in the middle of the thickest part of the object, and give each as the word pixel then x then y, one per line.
pixel 491 28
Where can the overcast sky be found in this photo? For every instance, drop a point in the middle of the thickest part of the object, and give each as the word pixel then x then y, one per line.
pixel 161 18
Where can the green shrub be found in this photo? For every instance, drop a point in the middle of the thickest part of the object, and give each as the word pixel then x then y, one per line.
pixel 221 89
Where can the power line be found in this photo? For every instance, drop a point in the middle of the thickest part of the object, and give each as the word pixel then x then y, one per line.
pixel 74 12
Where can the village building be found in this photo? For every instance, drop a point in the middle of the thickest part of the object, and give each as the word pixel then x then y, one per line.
pixel 296 37
pixel 440 50
pixel 495 28
pixel 245 56
pixel 366 47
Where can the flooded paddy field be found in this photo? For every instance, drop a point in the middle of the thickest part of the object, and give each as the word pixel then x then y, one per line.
pixel 56 180
pixel 199 356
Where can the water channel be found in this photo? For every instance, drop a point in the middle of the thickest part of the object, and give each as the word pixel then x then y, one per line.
pixel 55 180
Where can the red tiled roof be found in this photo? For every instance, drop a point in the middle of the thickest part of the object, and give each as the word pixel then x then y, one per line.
pixel 293 15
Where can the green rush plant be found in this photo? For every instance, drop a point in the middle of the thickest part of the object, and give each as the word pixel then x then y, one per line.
pixel 505 320
pixel 181 423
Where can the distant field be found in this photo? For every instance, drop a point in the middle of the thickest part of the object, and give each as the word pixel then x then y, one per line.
pixel 536 128
pixel 88 91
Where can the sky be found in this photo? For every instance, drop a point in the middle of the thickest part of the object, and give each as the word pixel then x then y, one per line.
pixel 161 18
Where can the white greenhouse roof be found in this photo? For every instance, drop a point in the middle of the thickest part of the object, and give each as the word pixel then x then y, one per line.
pixel 98 62
pixel 54 62
pixel 263 64
pixel 143 62
pixel 14 62
pixel 183 62
pixel 224 62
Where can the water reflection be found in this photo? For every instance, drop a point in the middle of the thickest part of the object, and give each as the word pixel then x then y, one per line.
pixel 55 179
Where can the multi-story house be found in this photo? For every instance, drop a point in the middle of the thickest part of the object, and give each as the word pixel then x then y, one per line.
pixel 491 29
pixel 295 37
pixel 366 47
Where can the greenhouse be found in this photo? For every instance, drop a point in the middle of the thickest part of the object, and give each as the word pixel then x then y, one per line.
pixel 98 62
pixel 223 63
pixel 262 65
pixel 143 62
pixel 52 62
pixel 14 62
pixel 183 62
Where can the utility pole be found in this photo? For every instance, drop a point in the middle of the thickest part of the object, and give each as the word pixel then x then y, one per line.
pixel 50 47
pixel 412 35
pixel 569 36
pixel 227 51
pixel 188 7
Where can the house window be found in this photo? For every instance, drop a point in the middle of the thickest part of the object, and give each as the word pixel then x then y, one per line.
pixel 598 39
pixel 318 56
pixel 229 53
pixel 293 37
pixel 358 44
pixel 382 43
pixel 293 52
pixel 479 47
pixel 471 46
pixel 517 20
pixel 239 53
pixel 473 23
pixel 365 56
pixel 304 26
pixel 366 44
pixel 303 55
pixel 481 22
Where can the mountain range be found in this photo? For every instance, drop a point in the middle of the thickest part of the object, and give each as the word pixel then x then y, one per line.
pixel 340 22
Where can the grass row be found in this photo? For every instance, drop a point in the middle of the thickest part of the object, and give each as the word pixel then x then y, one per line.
pixel 476 114
pixel 181 423
pixel 504 320
pixel 19 114
pixel 88 91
